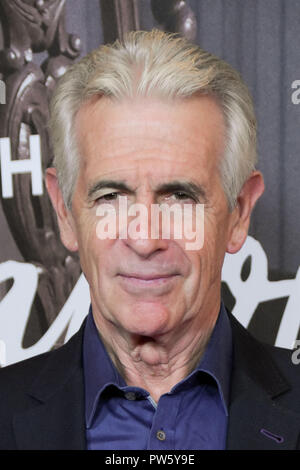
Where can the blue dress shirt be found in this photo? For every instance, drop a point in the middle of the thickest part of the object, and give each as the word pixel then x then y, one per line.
pixel 193 415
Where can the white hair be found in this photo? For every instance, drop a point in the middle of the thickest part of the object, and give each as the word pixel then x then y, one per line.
pixel 154 64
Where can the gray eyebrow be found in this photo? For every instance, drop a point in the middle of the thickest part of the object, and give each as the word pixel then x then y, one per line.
pixel 188 187
pixel 120 185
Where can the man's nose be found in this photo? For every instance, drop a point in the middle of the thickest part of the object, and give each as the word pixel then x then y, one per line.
pixel 146 247
pixel 144 231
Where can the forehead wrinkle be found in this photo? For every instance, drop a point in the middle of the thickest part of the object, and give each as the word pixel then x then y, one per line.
pixel 181 144
pixel 116 143
pixel 137 150
pixel 135 171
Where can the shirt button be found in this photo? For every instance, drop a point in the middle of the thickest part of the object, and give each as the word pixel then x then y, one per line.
pixel 161 435
pixel 130 396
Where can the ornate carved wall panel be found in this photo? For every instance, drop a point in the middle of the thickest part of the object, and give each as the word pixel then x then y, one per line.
pixel 121 16
pixel 175 16
pixel 118 17
pixel 30 27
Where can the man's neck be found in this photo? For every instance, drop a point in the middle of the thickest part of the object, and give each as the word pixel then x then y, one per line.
pixel 157 364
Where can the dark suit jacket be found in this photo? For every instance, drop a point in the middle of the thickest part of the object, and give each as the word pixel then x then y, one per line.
pixel 42 398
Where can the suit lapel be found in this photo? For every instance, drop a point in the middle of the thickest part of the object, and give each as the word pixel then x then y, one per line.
pixel 256 420
pixel 54 415
pixel 258 424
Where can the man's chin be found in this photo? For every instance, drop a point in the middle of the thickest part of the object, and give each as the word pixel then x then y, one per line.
pixel 150 321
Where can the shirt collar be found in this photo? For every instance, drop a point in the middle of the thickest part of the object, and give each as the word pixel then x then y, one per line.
pixel 99 371
pixel 217 358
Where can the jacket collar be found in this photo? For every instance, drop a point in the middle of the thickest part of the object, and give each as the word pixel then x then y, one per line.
pixel 256 420
pixel 54 417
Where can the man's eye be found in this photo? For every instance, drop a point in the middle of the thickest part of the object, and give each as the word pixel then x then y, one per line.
pixel 108 197
pixel 182 196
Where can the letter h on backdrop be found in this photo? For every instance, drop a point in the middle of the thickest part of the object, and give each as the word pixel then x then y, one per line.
pixel 11 167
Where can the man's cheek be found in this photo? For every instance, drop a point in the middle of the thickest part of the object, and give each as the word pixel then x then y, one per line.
pixel 87 229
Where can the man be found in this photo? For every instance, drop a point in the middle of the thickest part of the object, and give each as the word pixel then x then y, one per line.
pixel 159 363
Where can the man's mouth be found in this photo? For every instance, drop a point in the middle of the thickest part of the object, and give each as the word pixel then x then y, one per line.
pixel 135 282
pixel 148 277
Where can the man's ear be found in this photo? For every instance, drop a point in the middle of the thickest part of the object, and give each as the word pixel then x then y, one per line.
pixel 64 216
pixel 240 216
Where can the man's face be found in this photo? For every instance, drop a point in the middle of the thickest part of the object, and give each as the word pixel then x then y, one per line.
pixel 150 286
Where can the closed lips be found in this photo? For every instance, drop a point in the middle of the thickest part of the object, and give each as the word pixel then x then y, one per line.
pixel 148 277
